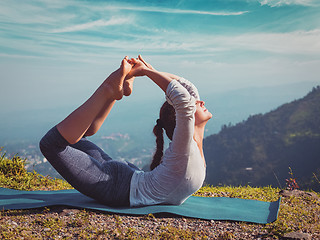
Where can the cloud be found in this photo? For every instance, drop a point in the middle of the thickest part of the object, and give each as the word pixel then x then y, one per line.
pixel 131 35
pixel 297 42
pixel 18 56
pixel 176 11
pixel 249 47
pixel 93 24
pixel 278 3
pixel 303 44
pixel 32 12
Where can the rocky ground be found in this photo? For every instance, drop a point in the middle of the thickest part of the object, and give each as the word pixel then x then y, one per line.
pixel 66 223
pixel 299 215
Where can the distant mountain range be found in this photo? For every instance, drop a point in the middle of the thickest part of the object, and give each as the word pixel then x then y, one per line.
pixel 261 150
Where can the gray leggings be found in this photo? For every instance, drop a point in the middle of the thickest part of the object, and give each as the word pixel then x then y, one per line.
pixel 89 169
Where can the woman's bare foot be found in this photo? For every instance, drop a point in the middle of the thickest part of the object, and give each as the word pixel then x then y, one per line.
pixel 138 65
pixel 136 70
pixel 126 66
pixel 116 79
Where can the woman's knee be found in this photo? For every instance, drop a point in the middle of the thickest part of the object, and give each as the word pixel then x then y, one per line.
pixel 43 144
pixel 52 141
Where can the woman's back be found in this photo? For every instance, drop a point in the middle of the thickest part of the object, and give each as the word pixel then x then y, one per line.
pixel 182 171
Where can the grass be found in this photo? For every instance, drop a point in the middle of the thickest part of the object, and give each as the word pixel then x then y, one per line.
pixel 300 213
pixel 14 175
pixel 269 194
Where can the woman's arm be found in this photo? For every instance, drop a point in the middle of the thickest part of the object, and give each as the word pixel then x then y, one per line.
pixel 143 69
pixel 179 96
pixel 184 105
pixel 170 75
pixel 159 78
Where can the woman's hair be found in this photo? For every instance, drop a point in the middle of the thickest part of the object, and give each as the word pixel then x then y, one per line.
pixel 166 121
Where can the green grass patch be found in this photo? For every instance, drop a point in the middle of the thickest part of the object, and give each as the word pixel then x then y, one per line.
pixel 269 194
pixel 14 175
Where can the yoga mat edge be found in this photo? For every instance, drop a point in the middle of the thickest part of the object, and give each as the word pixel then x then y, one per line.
pixel 208 208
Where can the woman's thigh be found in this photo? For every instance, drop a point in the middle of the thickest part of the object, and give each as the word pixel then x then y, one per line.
pixel 107 182
pixel 92 150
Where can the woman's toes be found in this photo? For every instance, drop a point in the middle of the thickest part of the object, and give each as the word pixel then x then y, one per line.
pixel 125 66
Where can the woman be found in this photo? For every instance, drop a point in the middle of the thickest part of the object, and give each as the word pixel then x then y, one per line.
pixel 174 176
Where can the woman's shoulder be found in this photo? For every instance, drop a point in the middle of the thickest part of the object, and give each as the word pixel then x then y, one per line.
pixel 177 94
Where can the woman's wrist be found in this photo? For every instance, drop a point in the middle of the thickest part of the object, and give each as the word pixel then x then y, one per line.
pixel 148 71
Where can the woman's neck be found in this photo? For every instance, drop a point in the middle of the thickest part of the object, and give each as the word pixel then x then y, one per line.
pixel 198 137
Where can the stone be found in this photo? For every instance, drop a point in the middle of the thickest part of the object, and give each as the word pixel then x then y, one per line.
pixel 297 236
pixel 298 193
pixel 69 212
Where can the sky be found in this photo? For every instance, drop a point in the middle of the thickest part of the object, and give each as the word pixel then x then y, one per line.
pixel 55 53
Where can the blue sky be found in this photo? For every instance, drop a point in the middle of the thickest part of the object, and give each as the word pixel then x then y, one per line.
pixel 55 53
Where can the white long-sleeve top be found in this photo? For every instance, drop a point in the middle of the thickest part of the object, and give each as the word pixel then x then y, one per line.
pixel 181 171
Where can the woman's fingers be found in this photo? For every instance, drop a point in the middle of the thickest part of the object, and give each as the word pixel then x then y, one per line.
pixel 142 60
pixel 145 63
pixel 138 66
pixel 135 61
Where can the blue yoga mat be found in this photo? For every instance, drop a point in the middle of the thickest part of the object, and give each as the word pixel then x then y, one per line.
pixel 209 208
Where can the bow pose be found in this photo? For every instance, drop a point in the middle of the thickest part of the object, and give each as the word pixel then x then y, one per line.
pixel 175 175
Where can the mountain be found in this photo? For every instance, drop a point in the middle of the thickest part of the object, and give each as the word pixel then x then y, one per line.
pixel 267 149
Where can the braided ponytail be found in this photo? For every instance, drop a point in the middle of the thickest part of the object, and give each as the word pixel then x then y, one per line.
pixel 166 121
pixel 158 132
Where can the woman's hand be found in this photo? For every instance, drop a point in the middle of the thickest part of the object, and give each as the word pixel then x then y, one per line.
pixel 142 68
pixel 139 68
pixel 145 63
pixel 172 76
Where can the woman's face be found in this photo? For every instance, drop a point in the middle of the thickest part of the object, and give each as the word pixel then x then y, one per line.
pixel 202 114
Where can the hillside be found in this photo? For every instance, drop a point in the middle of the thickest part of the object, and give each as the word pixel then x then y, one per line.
pixel 261 150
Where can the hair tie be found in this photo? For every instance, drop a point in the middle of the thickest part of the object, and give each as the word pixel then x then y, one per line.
pixel 159 123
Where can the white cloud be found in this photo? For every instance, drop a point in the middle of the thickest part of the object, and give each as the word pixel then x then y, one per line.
pixel 303 43
pixel 32 12
pixel 278 3
pixel 298 42
pixel 175 11
pixel 57 12
pixel 38 40
pixel 89 25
